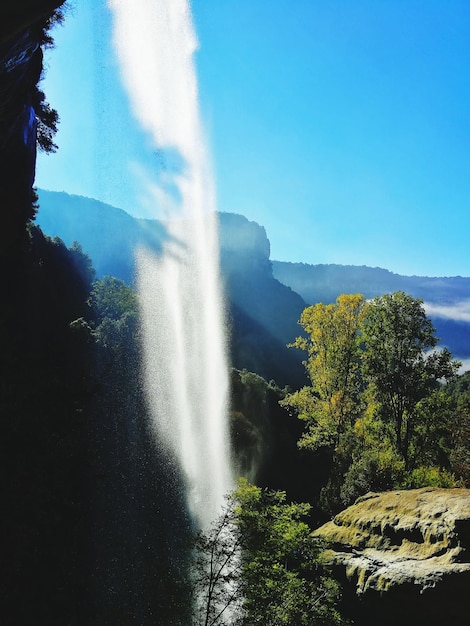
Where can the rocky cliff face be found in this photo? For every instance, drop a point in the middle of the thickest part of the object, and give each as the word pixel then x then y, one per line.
pixel 17 15
pixel 405 556
pixel 21 36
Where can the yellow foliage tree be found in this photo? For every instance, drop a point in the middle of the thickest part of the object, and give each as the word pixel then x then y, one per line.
pixel 332 342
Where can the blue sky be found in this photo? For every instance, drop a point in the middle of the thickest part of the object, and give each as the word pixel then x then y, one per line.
pixel 342 126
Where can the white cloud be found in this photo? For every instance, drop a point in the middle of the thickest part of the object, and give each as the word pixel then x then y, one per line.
pixel 465 367
pixel 460 311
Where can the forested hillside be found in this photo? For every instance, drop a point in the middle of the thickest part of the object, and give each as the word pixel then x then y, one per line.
pixel 262 312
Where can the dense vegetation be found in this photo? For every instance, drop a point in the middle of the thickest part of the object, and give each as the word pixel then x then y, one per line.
pixel 262 313
pixel 89 503
pixel 377 404
pixel 44 443
pixel 259 564
pixel 385 409
pixel 97 496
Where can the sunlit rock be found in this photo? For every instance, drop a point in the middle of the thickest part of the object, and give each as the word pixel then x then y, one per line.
pixel 405 554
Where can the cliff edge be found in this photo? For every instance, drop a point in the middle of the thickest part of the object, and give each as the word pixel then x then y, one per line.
pixel 405 555
pixel 23 28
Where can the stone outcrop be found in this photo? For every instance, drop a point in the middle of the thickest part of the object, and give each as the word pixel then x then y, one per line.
pixel 405 556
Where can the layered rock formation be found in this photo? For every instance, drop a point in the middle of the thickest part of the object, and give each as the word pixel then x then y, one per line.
pixel 405 556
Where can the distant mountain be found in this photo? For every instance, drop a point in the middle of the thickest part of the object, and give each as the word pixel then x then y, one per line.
pixel 265 297
pixel 323 283
pixel 263 304
pixel 447 299
pixel 107 234
pixel 263 312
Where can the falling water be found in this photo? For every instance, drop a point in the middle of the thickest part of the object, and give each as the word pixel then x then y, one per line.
pixel 184 343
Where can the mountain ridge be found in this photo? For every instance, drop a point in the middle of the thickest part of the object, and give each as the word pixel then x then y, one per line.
pixel 372 267
pixel 262 312
pixel 327 277
pixel 265 297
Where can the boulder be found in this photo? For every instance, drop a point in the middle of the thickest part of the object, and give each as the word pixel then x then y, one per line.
pixel 404 556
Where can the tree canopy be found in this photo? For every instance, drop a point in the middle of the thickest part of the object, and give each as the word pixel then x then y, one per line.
pixel 259 564
pixel 333 366
pixel 376 400
pixel 399 362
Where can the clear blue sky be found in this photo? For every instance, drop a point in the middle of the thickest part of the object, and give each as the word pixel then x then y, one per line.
pixel 342 126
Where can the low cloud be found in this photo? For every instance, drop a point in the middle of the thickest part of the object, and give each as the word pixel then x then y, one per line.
pixel 460 311
pixel 465 367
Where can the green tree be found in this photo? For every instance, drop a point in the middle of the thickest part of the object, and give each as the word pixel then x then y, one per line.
pixel 283 578
pixel 459 425
pixel 216 572
pixel 332 342
pixel 268 563
pixel 376 403
pixel 460 454
pixel 112 298
pixel 47 118
pixel 401 365
pixel 333 402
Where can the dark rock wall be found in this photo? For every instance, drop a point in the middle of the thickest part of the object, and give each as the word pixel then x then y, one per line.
pixel 18 15
pixel 20 69
pixel 21 32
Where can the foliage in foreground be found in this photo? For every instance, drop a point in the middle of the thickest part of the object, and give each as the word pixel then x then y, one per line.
pixel 259 564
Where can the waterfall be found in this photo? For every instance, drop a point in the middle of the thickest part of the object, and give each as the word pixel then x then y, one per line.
pixel 182 312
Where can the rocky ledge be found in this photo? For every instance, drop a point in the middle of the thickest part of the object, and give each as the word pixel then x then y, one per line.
pixel 405 555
